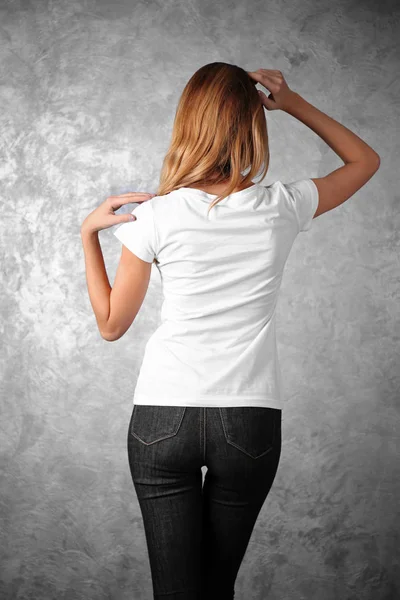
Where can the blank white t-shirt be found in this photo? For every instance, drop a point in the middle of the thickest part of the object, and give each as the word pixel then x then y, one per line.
pixel 220 275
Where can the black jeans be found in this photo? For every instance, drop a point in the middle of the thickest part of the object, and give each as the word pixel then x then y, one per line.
pixel 197 535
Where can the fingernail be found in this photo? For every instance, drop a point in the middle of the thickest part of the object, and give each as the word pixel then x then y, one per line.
pixel 132 217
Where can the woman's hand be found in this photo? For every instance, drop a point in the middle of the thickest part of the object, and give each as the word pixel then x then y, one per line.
pixel 274 81
pixel 103 216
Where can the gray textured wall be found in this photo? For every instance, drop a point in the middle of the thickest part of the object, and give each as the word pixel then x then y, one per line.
pixel 88 94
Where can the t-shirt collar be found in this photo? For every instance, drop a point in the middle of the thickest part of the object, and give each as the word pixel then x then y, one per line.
pixel 234 199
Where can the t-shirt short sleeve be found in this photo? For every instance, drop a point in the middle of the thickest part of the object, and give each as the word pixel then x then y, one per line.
pixel 303 195
pixel 140 236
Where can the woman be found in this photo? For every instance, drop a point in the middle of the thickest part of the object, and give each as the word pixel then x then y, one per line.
pixel 209 392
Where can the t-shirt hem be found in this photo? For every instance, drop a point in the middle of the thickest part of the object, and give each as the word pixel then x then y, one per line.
pixel 314 203
pixel 210 401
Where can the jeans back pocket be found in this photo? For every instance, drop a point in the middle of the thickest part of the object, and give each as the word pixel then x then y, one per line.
pixel 251 429
pixel 151 424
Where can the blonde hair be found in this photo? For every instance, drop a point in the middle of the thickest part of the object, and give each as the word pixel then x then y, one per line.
pixel 219 131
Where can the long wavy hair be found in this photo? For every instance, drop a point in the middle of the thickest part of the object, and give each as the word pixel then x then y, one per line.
pixel 219 132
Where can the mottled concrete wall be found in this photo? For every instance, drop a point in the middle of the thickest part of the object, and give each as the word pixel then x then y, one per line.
pixel 88 95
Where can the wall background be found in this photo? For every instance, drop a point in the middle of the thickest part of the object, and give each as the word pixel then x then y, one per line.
pixel 88 95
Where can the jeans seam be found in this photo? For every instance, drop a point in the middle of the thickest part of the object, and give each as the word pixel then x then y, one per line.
pixel 205 434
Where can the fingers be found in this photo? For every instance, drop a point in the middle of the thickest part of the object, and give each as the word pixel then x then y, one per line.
pixel 270 71
pixel 131 197
pixel 271 79
pixel 130 194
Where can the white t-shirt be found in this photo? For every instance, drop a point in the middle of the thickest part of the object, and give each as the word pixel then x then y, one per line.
pixel 220 276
